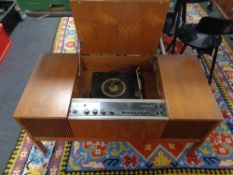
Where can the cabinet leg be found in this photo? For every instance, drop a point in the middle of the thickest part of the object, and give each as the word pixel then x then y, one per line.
pixel 41 147
pixel 195 146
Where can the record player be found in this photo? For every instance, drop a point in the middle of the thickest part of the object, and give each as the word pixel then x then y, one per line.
pixel 116 88
pixel 124 85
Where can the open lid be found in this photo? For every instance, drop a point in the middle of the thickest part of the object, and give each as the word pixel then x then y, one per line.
pixel 119 26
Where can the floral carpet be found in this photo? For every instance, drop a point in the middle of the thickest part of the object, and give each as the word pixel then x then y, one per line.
pixel 215 156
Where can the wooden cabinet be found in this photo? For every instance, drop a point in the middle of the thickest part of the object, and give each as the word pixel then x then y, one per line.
pixel 120 42
pixel 44 106
pixel 226 7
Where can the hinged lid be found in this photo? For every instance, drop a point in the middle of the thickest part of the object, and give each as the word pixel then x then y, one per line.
pixel 119 27
pixel 50 87
pixel 187 93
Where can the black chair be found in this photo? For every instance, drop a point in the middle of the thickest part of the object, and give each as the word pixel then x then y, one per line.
pixel 175 20
pixel 205 37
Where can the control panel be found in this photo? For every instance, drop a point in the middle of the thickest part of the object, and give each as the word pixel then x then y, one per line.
pixel 117 109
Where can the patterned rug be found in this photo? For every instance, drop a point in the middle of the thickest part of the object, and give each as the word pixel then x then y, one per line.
pixel 215 156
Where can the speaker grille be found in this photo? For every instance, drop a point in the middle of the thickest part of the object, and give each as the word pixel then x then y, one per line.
pixel 188 129
pixel 48 127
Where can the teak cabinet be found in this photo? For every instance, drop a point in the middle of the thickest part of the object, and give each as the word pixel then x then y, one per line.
pixel 192 109
pixel 118 36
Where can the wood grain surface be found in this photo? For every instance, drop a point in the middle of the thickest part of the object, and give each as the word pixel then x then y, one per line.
pixel 119 27
pixel 225 7
pixel 49 89
pixel 186 90
pixel 105 63
pixel 118 130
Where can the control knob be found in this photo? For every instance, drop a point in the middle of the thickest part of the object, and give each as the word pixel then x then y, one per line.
pixel 75 111
pixel 95 111
pixel 111 112
pixel 86 111
pixel 103 112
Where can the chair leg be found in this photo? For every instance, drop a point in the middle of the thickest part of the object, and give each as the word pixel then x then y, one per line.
pixel 210 5
pixel 184 13
pixel 172 45
pixel 213 65
pixel 168 47
pixel 162 49
pixel 200 57
pixel 179 17
pixel 183 49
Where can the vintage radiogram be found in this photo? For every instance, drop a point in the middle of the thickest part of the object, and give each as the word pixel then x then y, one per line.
pixel 116 88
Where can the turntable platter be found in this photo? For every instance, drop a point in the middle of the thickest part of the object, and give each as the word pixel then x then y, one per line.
pixel 113 85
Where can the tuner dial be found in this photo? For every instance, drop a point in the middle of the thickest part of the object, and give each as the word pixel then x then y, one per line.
pixel 86 111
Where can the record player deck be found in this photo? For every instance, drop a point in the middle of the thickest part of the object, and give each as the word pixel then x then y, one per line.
pixel 118 95
pixel 121 85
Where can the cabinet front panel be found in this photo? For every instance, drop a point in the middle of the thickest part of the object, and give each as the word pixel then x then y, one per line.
pixel 117 130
